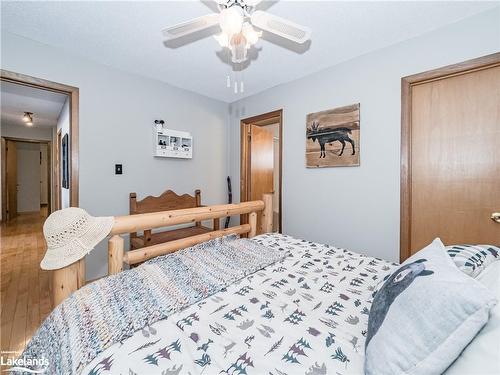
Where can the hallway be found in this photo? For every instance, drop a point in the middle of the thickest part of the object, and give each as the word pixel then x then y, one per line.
pixel 25 288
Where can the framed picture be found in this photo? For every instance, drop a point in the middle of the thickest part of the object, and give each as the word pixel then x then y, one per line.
pixel 65 161
pixel 332 138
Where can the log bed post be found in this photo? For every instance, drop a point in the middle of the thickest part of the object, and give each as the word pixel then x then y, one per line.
pixel 267 213
pixel 116 252
pixel 266 224
pixel 67 280
pixel 252 220
pixel 70 278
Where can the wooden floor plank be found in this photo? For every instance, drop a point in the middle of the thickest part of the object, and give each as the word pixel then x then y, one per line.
pixel 26 297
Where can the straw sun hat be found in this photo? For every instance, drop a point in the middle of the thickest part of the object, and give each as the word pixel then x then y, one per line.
pixel 71 233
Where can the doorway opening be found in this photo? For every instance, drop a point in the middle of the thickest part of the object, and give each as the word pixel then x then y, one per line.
pixel 34 112
pixel 27 180
pixel 261 163
pixel 54 108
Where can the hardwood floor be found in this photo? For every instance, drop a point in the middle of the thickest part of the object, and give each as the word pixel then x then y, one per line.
pixel 25 288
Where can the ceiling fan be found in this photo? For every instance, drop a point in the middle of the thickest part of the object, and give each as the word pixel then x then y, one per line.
pixel 237 19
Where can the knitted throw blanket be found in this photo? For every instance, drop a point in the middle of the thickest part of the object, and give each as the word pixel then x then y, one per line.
pixel 111 309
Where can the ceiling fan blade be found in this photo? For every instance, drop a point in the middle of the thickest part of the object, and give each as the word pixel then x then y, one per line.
pixel 280 26
pixel 191 26
pixel 252 3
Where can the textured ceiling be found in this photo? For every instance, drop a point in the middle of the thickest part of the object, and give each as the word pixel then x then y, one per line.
pixel 127 35
pixel 16 99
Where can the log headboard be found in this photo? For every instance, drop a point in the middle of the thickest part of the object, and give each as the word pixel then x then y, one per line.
pixel 70 278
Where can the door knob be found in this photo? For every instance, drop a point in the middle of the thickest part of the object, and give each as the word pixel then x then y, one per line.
pixel 495 216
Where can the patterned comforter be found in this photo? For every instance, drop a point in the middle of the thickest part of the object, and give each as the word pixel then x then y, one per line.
pixel 306 314
pixel 112 309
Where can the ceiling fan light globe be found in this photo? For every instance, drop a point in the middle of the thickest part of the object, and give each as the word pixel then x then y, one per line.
pixel 231 20
pixel 29 123
pixel 239 48
pixel 250 34
pixel 238 59
pixel 238 40
pixel 222 39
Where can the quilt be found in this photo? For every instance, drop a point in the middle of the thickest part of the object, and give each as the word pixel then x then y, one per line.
pixel 110 310
pixel 305 314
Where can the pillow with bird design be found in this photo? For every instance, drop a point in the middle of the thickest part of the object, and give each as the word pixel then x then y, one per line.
pixel 470 259
pixel 424 315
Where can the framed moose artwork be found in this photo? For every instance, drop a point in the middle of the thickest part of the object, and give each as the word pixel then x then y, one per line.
pixel 332 137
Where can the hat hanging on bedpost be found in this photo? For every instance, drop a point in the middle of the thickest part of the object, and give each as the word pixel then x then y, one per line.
pixel 71 233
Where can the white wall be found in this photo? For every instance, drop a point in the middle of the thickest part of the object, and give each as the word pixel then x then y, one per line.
pixel 63 126
pixel 354 207
pixel 44 174
pixel 117 111
pixel 357 207
pixel 28 177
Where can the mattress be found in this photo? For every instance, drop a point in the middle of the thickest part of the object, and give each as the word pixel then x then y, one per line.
pixel 306 314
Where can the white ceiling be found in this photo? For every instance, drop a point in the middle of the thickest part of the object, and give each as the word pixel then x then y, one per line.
pixel 127 35
pixel 17 99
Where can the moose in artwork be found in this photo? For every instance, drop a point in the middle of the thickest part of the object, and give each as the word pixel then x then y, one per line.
pixel 330 136
pixel 328 133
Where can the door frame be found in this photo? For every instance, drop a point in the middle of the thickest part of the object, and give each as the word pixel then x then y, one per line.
pixel 407 84
pixel 4 183
pixel 73 96
pixel 259 120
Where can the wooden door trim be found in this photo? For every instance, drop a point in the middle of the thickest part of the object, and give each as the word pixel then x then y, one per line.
pixel 6 207
pixel 50 185
pixel 262 120
pixel 30 140
pixel 407 83
pixel 73 94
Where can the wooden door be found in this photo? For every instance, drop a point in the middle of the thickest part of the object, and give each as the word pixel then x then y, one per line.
pixel 455 159
pixel 261 165
pixel 11 174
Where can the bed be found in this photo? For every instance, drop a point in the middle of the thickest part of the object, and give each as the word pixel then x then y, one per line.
pixel 299 307
pixel 307 314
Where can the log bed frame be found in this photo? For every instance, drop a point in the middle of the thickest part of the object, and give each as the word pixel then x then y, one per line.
pixel 70 278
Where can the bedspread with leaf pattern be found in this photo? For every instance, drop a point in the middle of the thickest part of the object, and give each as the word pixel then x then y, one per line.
pixel 306 314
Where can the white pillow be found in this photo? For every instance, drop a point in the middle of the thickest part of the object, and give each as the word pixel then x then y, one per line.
pixel 424 315
pixel 482 355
